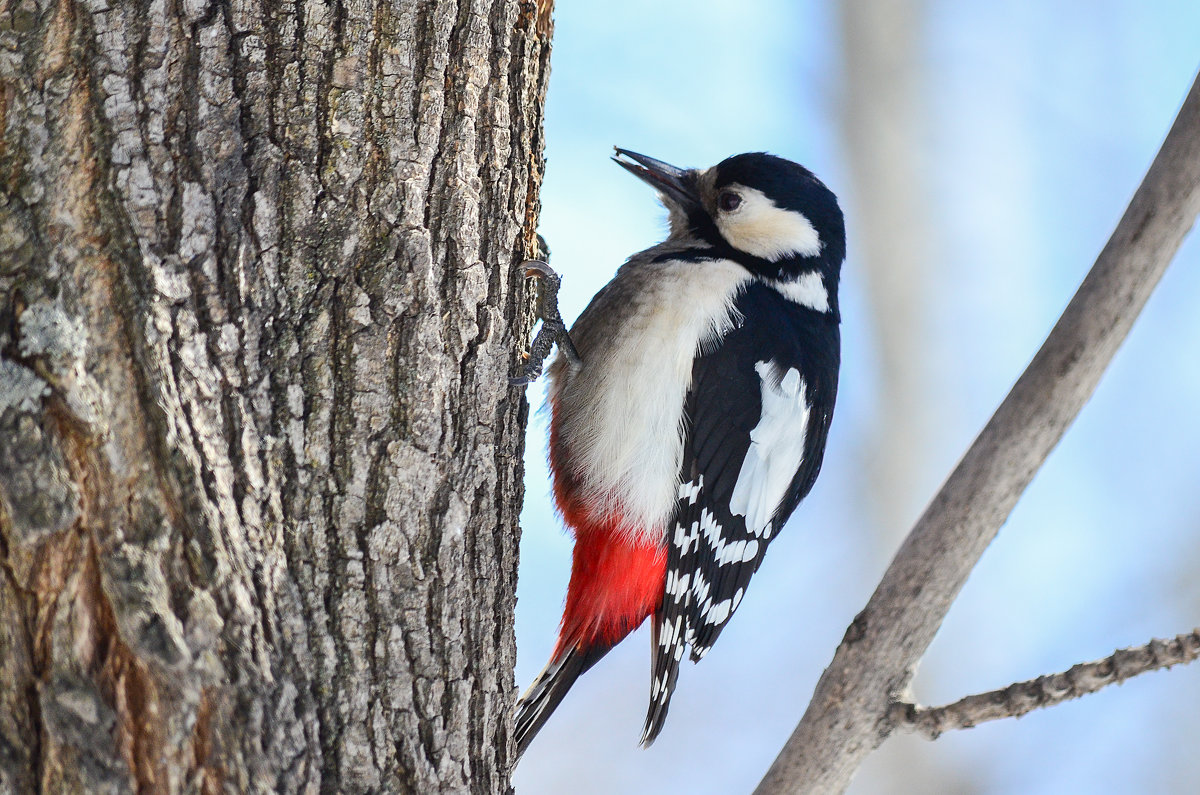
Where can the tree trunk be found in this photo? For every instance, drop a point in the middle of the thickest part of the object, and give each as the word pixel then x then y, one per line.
pixel 259 462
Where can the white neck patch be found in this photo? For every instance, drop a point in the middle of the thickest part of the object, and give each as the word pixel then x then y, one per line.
pixel 807 290
pixel 763 229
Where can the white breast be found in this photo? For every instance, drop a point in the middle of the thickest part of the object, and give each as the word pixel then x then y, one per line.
pixel 621 413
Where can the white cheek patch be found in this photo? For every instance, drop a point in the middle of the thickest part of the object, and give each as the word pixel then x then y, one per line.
pixel 776 449
pixel 761 228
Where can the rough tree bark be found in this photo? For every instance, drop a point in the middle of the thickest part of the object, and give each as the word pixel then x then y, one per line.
pixel 259 463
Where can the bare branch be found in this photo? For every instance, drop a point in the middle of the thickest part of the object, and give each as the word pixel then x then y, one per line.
pixel 849 715
pixel 1046 691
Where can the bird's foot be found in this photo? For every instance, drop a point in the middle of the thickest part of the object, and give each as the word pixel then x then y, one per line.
pixel 553 329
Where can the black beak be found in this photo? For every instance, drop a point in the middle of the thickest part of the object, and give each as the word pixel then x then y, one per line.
pixel 673 183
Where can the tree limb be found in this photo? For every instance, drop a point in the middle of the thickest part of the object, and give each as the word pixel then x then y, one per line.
pixel 849 715
pixel 1046 691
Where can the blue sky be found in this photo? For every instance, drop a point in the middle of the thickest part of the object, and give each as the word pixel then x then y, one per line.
pixel 1042 118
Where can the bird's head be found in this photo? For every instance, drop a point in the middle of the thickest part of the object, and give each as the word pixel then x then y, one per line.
pixel 768 213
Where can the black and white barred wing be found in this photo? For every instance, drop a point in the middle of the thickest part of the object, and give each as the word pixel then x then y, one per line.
pixel 753 447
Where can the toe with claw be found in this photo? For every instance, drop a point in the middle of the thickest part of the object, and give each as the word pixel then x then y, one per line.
pixel 553 329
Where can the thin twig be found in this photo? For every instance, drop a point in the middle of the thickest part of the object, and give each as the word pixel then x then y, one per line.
pixel 1046 691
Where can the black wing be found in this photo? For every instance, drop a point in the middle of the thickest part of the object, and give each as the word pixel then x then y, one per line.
pixel 770 384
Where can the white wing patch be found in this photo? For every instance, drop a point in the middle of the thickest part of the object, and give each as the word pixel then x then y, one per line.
pixel 776 448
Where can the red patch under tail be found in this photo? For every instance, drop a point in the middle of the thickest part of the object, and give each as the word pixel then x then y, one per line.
pixel 617 579
pixel 616 583
pixel 617 576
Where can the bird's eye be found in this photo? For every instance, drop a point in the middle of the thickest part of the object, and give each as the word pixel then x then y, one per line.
pixel 728 201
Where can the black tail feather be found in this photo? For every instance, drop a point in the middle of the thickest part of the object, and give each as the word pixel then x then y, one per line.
pixel 548 689
pixel 666 649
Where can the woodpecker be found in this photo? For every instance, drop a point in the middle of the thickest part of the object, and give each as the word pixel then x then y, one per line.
pixel 690 404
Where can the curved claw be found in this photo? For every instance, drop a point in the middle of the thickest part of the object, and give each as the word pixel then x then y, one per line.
pixel 524 379
pixel 553 330
pixel 535 268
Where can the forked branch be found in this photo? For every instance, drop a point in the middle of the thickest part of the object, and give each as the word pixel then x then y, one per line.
pixel 850 712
